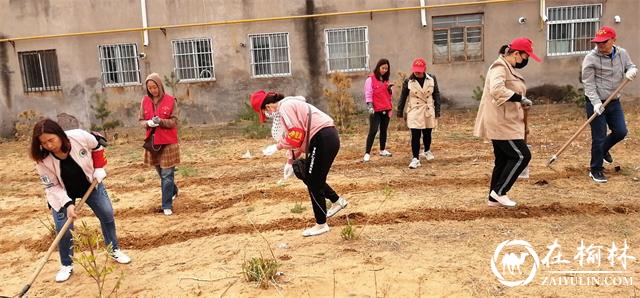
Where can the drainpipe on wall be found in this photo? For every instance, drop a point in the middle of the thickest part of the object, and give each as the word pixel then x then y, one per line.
pixel 543 13
pixel 145 33
pixel 423 13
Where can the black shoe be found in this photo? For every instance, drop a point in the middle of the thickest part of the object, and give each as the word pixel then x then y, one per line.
pixel 607 158
pixel 598 176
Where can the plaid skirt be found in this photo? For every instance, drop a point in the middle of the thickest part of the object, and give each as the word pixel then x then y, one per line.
pixel 168 157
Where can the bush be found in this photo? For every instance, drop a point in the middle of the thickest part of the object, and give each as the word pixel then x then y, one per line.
pixel 26 120
pixel 349 231
pixel 171 82
pixel 478 90
pixel 261 271
pixel 101 112
pixel 254 129
pixel 549 93
pixel 93 256
pixel 341 103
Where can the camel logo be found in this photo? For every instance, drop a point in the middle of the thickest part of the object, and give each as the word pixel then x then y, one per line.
pixel 512 262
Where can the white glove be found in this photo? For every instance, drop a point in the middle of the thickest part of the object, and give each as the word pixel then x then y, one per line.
pixel 631 74
pixel 370 108
pixel 598 109
pixel 99 174
pixel 270 150
pixel 526 102
pixel 288 171
pixel 150 123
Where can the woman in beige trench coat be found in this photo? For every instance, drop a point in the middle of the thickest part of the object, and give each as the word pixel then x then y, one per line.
pixel 501 118
pixel 420 103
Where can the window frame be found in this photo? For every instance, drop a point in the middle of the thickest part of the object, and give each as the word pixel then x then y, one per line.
pixel 572 23
pixel 195 60
pixel 253 64
pixel 366 67
pixel 43 74
pixel 119 65
pixel 465 37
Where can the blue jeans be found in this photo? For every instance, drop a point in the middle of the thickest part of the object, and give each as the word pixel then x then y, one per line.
pixel 169 188
pixel 101 206
pixel 601 143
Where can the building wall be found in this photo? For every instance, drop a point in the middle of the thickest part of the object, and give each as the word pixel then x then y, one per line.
pixel 398 36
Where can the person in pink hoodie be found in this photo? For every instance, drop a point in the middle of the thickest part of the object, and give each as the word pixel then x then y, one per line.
pixel 377 95
pixel 67 162
pixel 290 129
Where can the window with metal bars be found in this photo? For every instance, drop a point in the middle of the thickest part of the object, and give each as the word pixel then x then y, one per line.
pixel 347 49
pixel 457 38
pixel 39 70
pixel 119 63
pixel 571 28
pixel 270 54
pixel 193 60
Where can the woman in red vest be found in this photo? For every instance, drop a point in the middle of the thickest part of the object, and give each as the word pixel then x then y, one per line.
pixel 377 94
pixel 158 114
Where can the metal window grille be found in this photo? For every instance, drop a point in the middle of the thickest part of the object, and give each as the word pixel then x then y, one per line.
pixel 571 28
pixel 270 55
pixel 119 63
pixel 347 49
pixel 457 38
pixel 193 59
pixel 39 70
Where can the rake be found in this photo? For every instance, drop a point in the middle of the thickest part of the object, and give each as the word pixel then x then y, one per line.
pixel 581 128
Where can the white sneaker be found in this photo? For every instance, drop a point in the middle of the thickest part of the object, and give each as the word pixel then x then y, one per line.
pixel 64 273
pixel 316 230
pixel 366 157
pixel 167 211
pixel 337 206
pixel 428 155
pixel 503 200
pixel 493 204
pixel 415 163
pixel 385 153
pixel 120 257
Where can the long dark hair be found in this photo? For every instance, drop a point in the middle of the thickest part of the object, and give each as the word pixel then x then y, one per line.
pixel 376 71
pixel 272 97
pixel 47 126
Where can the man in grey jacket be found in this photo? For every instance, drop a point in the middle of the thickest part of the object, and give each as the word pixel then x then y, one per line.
pixel 603 69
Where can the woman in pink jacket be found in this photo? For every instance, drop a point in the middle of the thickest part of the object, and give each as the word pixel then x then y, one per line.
pixel 377 95
pixel 67 162
pixel 290 116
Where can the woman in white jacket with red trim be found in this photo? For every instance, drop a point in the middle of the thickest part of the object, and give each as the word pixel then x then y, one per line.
pixel 67 162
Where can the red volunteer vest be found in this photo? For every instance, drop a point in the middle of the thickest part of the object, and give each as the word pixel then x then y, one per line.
pixel 381 96
pixel 163 135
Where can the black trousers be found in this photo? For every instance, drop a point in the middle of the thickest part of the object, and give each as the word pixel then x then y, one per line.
pixel 415 140
pixel 378 119
pixel 323 148
pixel 512 157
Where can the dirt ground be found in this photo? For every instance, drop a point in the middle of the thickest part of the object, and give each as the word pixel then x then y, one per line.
pixel 431 235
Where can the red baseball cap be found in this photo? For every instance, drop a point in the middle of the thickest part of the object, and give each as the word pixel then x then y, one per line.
pixel 525 45
pixel 257 98
pixel 605 33
pixel 418 65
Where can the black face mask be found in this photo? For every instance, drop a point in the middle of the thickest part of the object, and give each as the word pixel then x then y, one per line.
pixel 521 64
